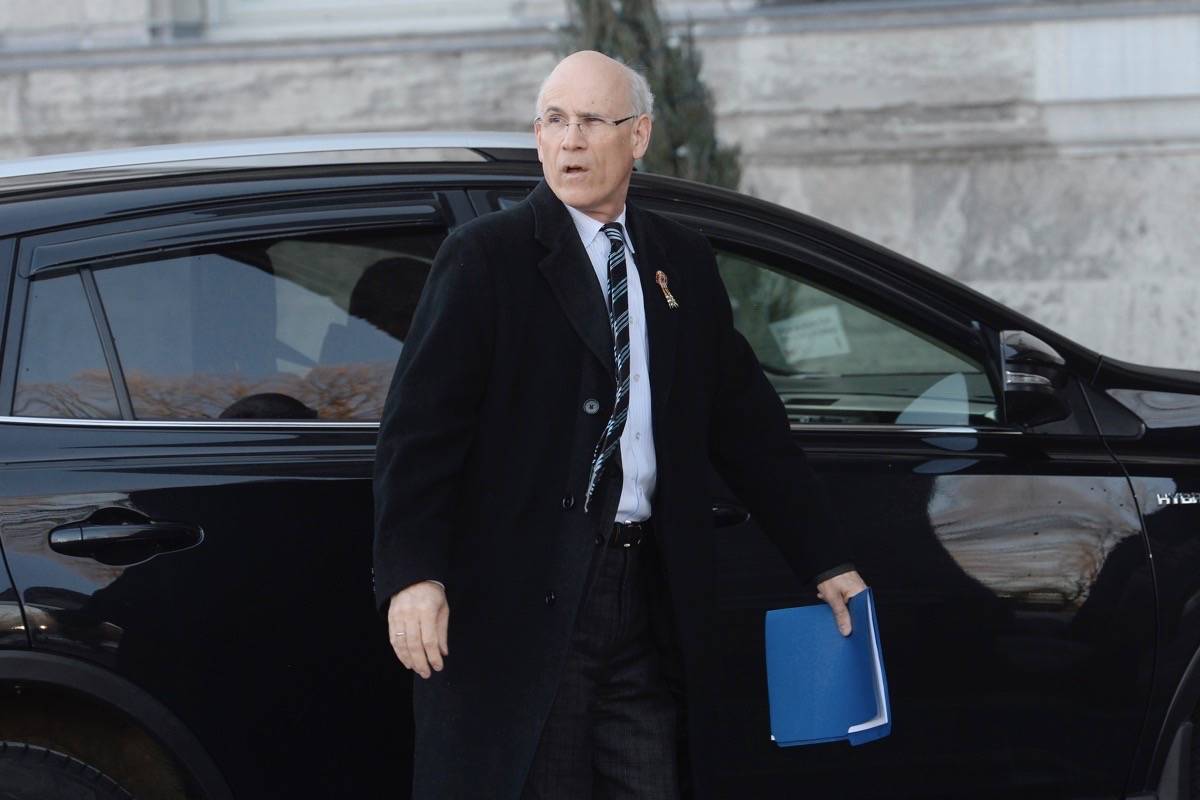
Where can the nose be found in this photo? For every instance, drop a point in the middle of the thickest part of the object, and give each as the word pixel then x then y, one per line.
pixel 574 139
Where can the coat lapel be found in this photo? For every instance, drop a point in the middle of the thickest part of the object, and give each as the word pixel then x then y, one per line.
pixel 569 272
pixel 662 322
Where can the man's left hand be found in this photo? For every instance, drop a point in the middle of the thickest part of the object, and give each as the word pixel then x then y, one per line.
pixel 836 591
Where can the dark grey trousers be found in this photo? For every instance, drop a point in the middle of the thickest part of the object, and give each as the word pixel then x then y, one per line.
pixel 611 731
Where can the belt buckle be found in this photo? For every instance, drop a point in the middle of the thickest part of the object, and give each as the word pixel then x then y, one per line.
pixel 626 530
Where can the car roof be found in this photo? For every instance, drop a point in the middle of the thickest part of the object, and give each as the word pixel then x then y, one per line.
pixel 73 169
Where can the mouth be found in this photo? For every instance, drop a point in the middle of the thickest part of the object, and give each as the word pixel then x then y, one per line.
pixel 574 169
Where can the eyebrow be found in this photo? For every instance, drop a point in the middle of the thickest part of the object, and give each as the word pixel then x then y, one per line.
pixel 557 110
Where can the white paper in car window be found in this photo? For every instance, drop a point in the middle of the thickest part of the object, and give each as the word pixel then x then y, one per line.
pixel 816 333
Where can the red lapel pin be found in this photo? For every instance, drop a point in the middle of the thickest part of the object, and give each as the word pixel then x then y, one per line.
pixel 660 277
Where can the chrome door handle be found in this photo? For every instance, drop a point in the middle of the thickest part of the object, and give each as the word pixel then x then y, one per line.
pixel 91 539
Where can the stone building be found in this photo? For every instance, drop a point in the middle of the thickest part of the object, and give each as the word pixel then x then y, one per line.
pixel 1046 152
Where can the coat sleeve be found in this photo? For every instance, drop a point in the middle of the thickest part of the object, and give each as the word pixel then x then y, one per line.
pixel 753 450
pixel 430 420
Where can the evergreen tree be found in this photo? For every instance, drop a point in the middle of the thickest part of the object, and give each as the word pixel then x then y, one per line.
pixel 684 141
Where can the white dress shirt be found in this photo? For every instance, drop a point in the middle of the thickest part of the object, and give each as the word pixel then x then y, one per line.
pixel 637 440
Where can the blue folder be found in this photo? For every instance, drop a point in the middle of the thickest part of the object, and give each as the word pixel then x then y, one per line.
pixel 823 686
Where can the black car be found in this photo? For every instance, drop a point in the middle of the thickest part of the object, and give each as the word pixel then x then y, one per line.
pixel 197 342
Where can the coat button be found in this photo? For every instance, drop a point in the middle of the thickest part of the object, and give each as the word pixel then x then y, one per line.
pixel 591 405
pixel 568 502
pixel 550 598
pixel 599 539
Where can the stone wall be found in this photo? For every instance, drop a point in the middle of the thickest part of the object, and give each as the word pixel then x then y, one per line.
pixel 70 24
pixel 1048 153
pixel 1052 163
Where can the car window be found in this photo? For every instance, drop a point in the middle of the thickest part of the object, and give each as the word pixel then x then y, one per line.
pixel 837 361
pixel 289 328
pixel 61 370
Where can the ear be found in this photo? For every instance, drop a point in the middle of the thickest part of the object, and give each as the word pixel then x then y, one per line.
pixel 641 136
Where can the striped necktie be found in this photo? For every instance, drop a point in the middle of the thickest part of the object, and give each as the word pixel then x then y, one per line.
pixel 618 317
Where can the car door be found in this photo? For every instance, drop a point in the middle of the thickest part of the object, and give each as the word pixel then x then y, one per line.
pixel 186 492
pixel 1008 562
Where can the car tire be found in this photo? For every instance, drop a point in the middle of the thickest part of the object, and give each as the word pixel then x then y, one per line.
pixel 30 772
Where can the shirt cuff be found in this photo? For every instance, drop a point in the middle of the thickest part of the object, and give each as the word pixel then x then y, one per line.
pixel 833 572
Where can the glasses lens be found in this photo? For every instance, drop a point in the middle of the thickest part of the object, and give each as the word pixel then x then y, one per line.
pixel 557 125
pixel 554 124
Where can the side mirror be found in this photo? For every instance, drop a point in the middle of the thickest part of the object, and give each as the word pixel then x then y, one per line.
pixel 1034 377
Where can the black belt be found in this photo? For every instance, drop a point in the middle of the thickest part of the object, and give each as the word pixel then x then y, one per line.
pixel 628 534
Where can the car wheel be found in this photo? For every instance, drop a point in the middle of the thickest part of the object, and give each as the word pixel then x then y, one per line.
pixel 29 772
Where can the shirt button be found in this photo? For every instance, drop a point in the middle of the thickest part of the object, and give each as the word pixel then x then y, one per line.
pixel 637 436
pixel 568 502
pixel 550 598
pixel 637 376
pixel 591 405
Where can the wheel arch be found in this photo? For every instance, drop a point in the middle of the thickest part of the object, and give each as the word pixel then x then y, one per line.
pixel 1169 769
pixel 49 671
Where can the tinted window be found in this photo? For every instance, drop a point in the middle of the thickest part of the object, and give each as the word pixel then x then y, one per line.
pixel 295 328
pixel 835 361
pixel 61 371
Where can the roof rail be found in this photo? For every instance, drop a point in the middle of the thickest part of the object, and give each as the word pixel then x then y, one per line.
pixel 346 148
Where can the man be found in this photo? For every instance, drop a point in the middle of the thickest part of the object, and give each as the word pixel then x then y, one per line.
pixel 542 470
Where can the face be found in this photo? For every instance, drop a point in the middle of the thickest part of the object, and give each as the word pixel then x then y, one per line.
pixel 590 171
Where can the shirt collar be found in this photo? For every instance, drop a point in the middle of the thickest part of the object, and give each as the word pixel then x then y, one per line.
pixel 589 227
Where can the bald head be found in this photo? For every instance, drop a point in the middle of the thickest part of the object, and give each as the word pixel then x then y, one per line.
pixel 600 67
pixel 593 122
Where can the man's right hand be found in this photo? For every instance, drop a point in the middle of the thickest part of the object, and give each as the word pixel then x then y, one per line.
pixel 418 623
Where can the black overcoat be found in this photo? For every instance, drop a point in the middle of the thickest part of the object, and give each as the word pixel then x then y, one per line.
pixel 482 464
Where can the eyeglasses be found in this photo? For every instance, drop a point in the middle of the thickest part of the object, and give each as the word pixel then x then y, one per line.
pixel 557 124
